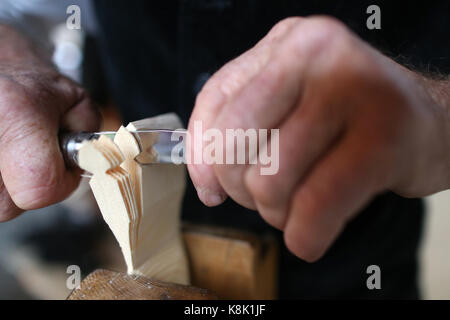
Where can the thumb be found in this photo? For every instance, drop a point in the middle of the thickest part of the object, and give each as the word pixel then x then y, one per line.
pixel 209 190
pixel 31 163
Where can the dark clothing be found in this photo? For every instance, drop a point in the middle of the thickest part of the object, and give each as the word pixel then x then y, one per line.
pixel 158 54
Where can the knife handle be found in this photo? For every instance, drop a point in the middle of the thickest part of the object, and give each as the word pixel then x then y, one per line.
pixel 70 144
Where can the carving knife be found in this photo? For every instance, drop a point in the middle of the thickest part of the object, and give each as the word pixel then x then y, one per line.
pixel 167 141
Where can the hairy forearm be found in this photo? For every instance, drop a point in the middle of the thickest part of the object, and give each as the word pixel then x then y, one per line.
pixel 442 96
pixel 439 91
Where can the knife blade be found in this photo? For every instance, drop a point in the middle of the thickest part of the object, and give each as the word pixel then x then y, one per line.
pixel 168 143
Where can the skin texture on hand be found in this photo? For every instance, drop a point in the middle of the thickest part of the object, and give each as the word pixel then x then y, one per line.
pixel 36 103
pixel 353 123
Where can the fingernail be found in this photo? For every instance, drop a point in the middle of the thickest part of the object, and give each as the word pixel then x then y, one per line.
pixel 210 198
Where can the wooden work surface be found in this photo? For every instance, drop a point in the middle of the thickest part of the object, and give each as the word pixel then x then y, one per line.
pixel 227 263
pixel 232 263
pixel 110 285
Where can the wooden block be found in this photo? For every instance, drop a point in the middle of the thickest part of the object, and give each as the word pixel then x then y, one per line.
pixel 109 285
pixel 140 203
pixel 233 264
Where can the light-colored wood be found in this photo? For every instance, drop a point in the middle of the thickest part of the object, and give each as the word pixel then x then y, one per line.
pixel 140 203
pixel 233 264
pixel 160 251
pixel 110 185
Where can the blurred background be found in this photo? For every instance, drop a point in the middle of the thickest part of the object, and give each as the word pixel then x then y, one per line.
pixel 37 247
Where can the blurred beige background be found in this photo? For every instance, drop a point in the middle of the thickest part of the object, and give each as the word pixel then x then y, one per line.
pixel 435 253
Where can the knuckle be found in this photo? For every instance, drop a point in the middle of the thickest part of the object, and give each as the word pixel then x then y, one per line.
pixel 27 95
pixel 84 116
pixel 287 23
pixel 319 34
pixel 283 26
pixel 263 189
pixel 325 27
pixel 224 84
pixel 36 88
pixel 72 90
pixel 328 21
pixel 235 75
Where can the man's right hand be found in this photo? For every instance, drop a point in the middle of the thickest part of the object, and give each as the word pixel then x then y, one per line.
pixel 36 103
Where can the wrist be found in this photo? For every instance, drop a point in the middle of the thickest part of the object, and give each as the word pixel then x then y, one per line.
pixel 439 91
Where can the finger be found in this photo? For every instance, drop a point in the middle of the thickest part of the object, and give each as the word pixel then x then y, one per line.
pixel 265 102
pixel 77 110
pixel 305 137
pixel 31 164
pixel 83 116
pixel 224 85
pixel 208 189
pixel 32 167
pixel 340 185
